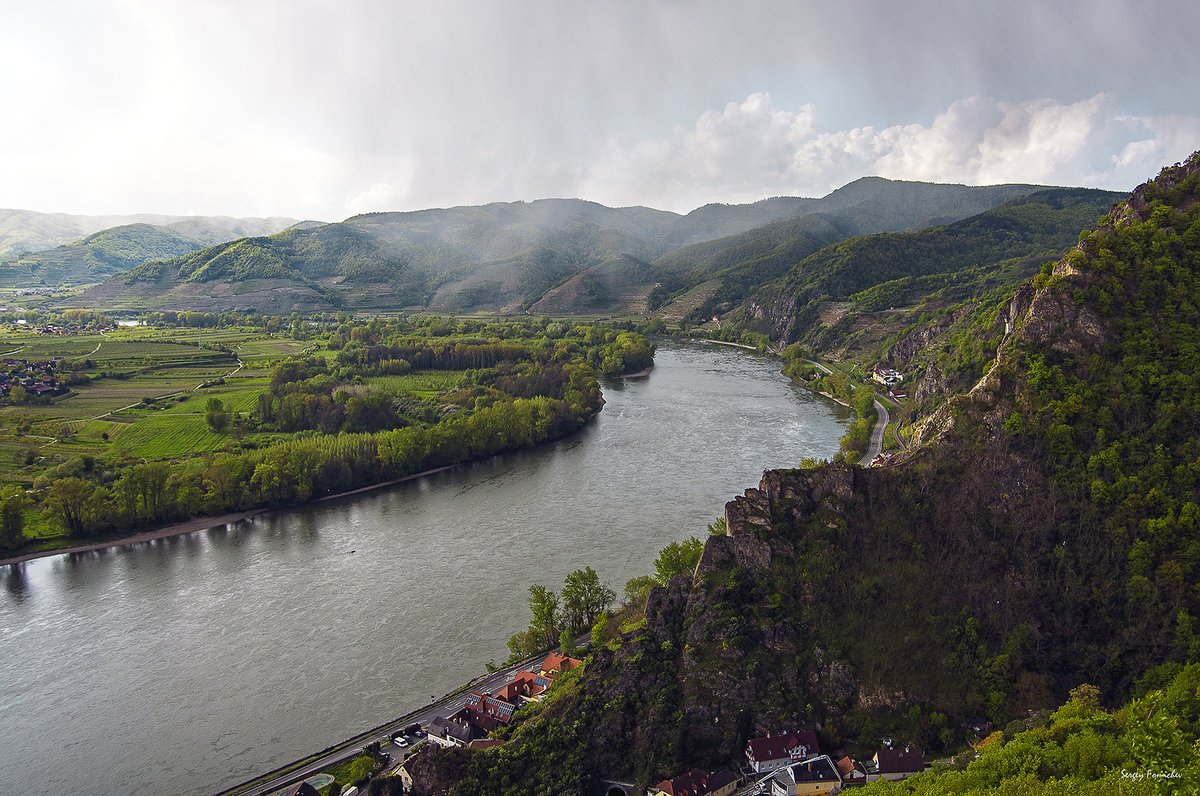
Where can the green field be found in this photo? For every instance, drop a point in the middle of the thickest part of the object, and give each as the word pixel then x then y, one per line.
pixel 423 382
pixel 107 415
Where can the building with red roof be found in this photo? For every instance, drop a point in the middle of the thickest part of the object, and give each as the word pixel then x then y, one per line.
pixel 699 783
pixel 772 752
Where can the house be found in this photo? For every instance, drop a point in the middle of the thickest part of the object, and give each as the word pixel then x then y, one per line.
pixel 486 712
pixel 405 773
pixel 698 783
pixel 526 686
pixel 302 789
pixel 531 686
pixel 454 731
pixel 556 663
pixel 886 376
pixel 815 776
pixel 772 752
pixel 851 772
pixel 894 764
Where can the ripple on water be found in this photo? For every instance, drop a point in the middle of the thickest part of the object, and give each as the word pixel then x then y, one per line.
pixel 188 666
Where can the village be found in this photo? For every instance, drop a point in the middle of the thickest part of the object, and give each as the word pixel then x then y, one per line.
pixel 22 380
pixel 785 764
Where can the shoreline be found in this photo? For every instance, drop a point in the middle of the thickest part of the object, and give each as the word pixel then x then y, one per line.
pixel 205 523
pixel 641 374
pixel 726 342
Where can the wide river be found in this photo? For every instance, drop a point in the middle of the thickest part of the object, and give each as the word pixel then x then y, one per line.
pixel 191 664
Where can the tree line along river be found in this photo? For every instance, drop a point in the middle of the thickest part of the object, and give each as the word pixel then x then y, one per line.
pixel 192 663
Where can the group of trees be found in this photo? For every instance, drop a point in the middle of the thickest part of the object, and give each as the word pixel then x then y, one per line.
pixel 302 468
pixel 557 619
pixel 532 383
pixel 1147 747
pixel 860 398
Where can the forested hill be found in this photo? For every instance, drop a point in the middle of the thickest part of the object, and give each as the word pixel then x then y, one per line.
pixel 903 297
pixel 509 256
pixel 711 278
pixel 1044 534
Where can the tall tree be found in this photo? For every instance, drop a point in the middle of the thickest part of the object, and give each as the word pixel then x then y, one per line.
pixel 677 558
pixel 543 603
pixel 70 500
pixel 584 598
pixel 12 518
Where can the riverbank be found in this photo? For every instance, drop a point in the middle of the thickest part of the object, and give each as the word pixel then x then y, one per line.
pixel 726 342
pixel 205 523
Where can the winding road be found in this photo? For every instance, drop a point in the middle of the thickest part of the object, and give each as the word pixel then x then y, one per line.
pixel 289 775
pixel 876 446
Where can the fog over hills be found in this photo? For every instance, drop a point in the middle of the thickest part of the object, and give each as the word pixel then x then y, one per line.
pixel 550 255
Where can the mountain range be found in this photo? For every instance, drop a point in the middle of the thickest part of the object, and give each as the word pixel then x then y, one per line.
pixel 53 249
pixel 552 256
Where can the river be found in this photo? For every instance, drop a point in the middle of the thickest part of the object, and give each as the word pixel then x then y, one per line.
pixel 190 664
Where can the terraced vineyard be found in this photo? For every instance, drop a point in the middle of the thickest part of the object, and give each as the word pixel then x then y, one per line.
pixel 143 395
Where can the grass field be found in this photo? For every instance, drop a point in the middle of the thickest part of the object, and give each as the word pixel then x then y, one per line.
pixel 165 435
pixel 424 382
pixel 107 415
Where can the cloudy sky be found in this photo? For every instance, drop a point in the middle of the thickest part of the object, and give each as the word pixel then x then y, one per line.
pixel 321 109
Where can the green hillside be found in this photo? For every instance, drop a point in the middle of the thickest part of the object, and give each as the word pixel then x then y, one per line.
pixel 1042 533
pixel 900 296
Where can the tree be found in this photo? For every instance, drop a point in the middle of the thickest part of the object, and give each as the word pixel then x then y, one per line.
pixel 386 786
pixel 215 415
pixel 677 558
pixel 12 518
pixel 70 500
pixel 584 598
pixel 638 589
pixel 600 631
pixel 566 642
pixel 543 603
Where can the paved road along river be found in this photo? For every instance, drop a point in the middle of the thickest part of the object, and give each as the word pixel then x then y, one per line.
pixel 190 664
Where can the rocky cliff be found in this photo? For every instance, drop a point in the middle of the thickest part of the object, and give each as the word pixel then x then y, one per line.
pixel 1044 533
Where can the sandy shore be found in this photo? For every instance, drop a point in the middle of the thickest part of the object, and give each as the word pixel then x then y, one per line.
pixel 641 374
pixel 204 523
pixel 726 342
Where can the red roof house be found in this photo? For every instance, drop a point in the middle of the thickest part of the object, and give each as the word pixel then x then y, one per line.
pixel 774 751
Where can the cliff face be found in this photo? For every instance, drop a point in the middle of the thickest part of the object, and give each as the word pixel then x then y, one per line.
pixel 1042 534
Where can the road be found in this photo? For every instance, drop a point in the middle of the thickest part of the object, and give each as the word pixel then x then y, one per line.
pixel 876 446
pixel 383 734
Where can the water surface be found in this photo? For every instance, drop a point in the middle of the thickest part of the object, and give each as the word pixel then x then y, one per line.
pixel 190 664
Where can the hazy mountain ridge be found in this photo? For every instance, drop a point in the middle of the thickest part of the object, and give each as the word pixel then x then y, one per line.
pixel 754 258
pixel 1042 534
pixel 852 296
pixel 507 256
pixel 27 231
pixel 112 249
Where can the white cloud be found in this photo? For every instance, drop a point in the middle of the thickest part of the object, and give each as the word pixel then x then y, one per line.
pixel 753 149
